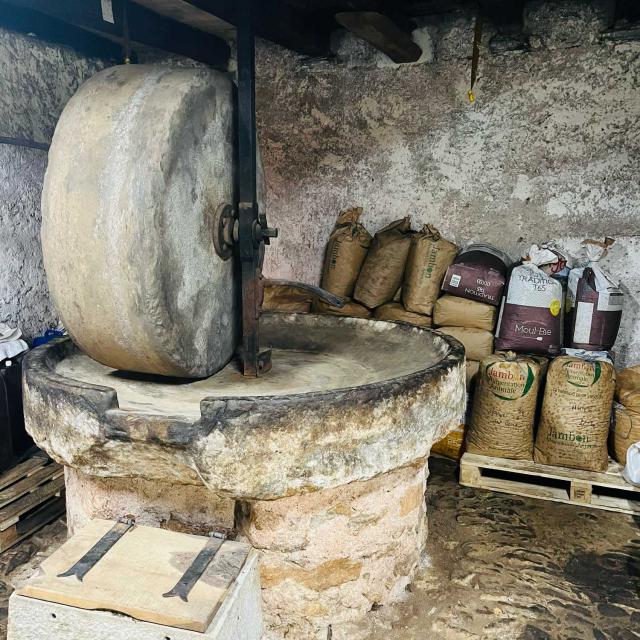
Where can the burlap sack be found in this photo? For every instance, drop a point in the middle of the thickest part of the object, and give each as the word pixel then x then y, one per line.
pixel 543 362
pixel 576 412
pixel 626 431
pixel 429 258
pixel 471 371
pixel 451 311
pixel 504 407
pixel 478 344
pixel 394 311
pixel 286 299
pixel 350 308
pixel 346 250
pixel 628 388
pixel 383 268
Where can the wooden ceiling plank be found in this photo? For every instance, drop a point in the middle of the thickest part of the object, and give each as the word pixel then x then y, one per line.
pixel 145 27
pixel 381 32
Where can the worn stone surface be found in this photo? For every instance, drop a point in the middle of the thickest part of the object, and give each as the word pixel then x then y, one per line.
pixel 549 151
pixel 178 507
pixel 355 398
pixel 560 24
pixel 328 558
pixel 142 157
pixel 24 295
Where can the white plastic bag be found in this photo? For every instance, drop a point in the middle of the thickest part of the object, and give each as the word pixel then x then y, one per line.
pixel 631 472
pixel 531 313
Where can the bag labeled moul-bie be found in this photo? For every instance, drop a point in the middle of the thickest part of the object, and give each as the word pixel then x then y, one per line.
pixel 531 313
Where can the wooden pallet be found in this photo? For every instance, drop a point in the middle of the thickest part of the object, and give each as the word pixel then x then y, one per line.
pixel 607 490
pixel 31 496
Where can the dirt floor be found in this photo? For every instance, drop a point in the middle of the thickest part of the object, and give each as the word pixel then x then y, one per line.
pixel 498 567
pixel 511 568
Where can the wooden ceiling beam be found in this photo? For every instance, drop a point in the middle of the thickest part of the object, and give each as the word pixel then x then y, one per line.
pixel 381 32
pixel 304 32
pixel 145 27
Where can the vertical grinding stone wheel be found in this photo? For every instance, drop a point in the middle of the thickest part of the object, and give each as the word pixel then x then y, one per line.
pixel 141 159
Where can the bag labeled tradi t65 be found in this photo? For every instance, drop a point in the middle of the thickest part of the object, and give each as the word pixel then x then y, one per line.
pixel 531 313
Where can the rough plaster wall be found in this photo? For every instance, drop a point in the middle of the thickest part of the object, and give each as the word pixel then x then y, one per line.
pixel 549 151
pixel 36 80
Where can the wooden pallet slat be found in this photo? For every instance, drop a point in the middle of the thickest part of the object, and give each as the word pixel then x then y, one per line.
pixel 530 479
pixel 10 514
pixel 34 521
pixel 28 484
pixel 21 470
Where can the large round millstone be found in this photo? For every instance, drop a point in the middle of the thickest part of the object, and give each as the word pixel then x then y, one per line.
pixel 141 159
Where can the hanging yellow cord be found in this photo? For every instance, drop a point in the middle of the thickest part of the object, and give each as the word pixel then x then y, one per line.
pixel 475 57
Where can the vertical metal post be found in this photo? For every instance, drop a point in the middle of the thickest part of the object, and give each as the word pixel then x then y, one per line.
pixel 250 233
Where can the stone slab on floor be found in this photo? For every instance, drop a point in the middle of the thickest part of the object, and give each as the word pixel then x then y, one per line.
pixel 239 618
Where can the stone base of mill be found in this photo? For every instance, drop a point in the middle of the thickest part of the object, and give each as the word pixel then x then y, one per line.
pixel 327 558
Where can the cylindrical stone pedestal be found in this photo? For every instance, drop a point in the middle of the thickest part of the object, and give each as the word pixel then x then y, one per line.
pixel 330 557
pixel 327 557
pixel 178 507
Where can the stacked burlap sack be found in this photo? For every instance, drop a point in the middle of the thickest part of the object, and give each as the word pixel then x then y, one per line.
pixel 473 285
pixel 626 430
pixel 576 413
pixel 427 260
pixel 286 299
pixel 345 254
pixel 402 273
pixel 504 407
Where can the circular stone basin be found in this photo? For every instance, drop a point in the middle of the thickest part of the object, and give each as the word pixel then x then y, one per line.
pixel 347 399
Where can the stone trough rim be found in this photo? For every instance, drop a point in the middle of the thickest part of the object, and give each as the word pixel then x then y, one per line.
pixel 254 447
pixel 40 360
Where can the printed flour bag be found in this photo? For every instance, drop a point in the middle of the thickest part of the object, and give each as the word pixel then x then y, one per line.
pixel 383 268
pixel 429 258
pixel 576 414
pixel 530 317
pixel 504 407
pixel 594 302
pixel 479 272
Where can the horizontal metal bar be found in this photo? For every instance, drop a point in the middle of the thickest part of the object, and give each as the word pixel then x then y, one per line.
pixel 23 142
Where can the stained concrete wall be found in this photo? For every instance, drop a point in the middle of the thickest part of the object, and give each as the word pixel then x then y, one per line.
pixel 549 151
pixel 36 81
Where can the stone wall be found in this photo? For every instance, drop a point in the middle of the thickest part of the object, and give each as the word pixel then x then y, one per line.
pixel 36 80
pixel 549 151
